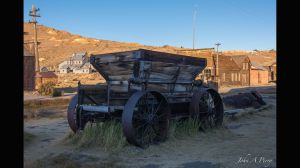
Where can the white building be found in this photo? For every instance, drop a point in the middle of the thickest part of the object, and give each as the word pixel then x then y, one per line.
pixel 78 63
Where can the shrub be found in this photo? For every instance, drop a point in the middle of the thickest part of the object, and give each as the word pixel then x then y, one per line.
pixel 46 88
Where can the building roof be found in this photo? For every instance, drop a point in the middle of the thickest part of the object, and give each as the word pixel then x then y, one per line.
pixel 239 59
pixel 86 65
pixel 262 60
pixel 227 63
pixel 255 65
pixel 257 62
pixel 47 75
pixel 200 53
pixel 73 66
pixel 64 66
pixel 79 56
pixel 44 69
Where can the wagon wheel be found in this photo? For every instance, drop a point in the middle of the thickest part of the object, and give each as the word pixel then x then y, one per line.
pixel 72 113
pixel 207 106
pixel 73 116
pixel 145 118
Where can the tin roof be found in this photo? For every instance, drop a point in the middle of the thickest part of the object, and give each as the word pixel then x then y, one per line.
pixel 239 59
pixel 79 56
pixel 257 62
pixel 262 60
pixel 64 66
pixel 255 65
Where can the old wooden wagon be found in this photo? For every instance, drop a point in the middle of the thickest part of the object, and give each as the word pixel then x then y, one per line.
pixel 144 89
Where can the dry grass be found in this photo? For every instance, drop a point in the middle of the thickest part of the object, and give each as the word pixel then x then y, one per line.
pixel 108 135
pixel 183 128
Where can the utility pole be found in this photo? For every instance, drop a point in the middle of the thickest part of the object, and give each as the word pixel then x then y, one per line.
pixel 33 13
pixel 217 62
pixel 194 27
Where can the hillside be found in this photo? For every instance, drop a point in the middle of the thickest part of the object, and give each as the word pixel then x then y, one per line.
pixel 57 45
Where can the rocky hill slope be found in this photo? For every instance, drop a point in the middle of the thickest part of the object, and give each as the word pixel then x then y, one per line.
pixel 57 45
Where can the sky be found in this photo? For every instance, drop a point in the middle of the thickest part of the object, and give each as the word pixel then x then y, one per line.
pixel 236 24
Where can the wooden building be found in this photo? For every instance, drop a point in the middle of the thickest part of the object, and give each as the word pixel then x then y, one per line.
pixel 208 73
pixel 233 71
pixel 259 75
pixel 28 69
pixel 239 70
pixel 45 77
pixel 272 72
pixel 250 73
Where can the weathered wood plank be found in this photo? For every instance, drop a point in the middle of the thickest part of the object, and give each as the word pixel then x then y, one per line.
pixel 152 65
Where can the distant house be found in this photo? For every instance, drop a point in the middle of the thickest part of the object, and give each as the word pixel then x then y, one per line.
pixel 85 68
pixel 78 63
pixel 259 75
pixel 29 70
pixel 79 58
pixel 232 72
pixel 64 69
pixel 252 72
pixel 44 69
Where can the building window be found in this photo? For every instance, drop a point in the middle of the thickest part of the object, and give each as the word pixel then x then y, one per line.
pixel 207 72
pixel 235 77
pixel 224 77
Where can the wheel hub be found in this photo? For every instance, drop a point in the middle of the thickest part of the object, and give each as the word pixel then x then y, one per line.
pixel 151 118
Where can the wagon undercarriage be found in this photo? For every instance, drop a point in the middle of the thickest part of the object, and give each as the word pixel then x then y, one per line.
pixel 144 90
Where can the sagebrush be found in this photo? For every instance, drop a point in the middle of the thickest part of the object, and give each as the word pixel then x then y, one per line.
pixel 46 88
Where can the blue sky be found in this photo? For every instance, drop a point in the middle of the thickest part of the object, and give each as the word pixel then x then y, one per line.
pixel 236 24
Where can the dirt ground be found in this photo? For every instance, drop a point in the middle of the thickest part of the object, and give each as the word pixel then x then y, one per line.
pixel 246 141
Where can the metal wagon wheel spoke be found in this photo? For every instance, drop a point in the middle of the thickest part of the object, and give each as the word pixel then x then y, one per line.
pixel 145 118
pixel 207 106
